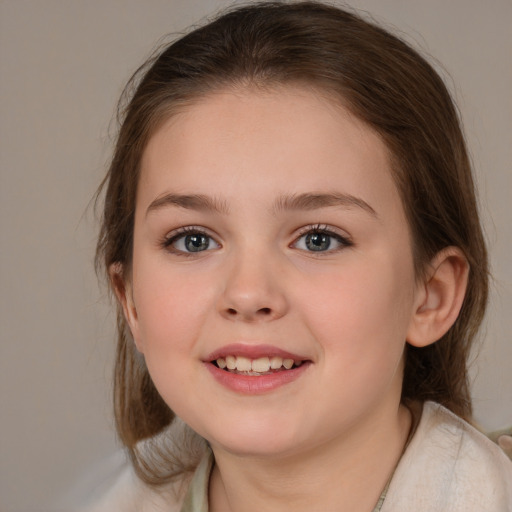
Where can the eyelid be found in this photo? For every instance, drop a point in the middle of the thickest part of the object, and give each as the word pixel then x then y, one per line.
pixel 171 237
pixel 343 238
pixel 327 228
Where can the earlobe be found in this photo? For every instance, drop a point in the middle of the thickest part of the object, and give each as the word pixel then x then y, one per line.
pixel 440 295
pixel 124 294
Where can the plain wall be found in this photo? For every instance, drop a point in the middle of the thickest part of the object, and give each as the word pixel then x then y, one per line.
pixel 62 66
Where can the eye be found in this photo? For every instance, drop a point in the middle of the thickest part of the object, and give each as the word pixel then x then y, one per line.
pixel 190 240
pixel 320 239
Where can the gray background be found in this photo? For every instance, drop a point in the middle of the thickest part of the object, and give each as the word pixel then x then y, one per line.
pixel 62 66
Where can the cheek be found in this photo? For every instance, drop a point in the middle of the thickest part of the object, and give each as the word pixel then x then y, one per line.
pixel 361 308
pixel 171 310
pixel 171 305
pixel 360 323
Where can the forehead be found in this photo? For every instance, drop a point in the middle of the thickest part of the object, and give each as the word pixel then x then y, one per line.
pixel 290 139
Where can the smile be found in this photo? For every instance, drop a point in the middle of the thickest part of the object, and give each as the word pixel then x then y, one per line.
pixel 255 370
pixel 255 367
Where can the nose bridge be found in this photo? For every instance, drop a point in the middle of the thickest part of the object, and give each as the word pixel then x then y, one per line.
pixel 253 287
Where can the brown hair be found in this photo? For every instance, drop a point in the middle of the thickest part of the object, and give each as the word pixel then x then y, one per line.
pixel 384 82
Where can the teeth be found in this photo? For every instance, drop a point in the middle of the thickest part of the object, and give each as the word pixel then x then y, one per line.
pixel 231 362
pixel 243 364
pixel 276 362
pixel 288 363
pixel 260 365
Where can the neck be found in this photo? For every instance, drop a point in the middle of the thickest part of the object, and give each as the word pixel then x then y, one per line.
pixel 344 474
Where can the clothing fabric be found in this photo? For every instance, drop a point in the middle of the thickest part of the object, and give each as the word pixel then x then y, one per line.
pixel 450 466
pixel 447 466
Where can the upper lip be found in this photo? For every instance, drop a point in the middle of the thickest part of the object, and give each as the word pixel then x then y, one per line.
pixel 253 352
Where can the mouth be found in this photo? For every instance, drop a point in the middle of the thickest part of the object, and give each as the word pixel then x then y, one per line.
pixel 241 365
pixel 255 369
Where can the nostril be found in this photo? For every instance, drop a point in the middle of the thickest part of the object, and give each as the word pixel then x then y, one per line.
pixel 261 313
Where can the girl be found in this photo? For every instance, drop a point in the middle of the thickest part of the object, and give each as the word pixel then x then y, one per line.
pixel 291 230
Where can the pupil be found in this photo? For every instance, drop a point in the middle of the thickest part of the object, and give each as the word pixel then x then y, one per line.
pixel 318 241
pixel 196 243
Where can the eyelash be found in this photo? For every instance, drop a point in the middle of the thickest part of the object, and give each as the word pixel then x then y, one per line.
pixel 324 229
pixel 320 229
pixel 172 238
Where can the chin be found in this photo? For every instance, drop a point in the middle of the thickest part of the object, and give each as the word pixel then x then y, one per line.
pixel 246 448
pixel 255 439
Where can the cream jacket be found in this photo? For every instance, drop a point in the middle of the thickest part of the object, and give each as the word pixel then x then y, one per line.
pixel 447 466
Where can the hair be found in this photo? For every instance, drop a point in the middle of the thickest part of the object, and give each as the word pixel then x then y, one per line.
pixel 382 81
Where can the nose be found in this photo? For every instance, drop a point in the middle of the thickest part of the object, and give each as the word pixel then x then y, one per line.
pixel 253 290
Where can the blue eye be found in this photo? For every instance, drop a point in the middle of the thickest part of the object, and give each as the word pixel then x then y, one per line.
pixel 320 240
pixel 191 241
pixel 317 241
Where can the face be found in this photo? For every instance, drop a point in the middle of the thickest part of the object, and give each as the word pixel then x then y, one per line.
pixel 272 285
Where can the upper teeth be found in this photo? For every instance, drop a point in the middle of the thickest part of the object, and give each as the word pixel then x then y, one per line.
pixel 260 365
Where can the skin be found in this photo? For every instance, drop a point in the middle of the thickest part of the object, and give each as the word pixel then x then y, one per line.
pixel 333 435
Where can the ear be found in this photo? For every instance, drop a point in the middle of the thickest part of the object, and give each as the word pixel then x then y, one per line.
pixel 439 297
pixel 124 294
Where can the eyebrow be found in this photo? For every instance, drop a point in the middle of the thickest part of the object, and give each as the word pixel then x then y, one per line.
pixel 314 201
pixel 306 201
pixel 198 202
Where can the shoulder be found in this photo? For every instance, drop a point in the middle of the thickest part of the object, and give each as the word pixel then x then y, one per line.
pixel 449 465
pixel 130 494
pixel 126 492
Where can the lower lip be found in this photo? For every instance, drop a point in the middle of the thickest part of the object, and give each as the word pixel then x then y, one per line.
pixel 256 384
